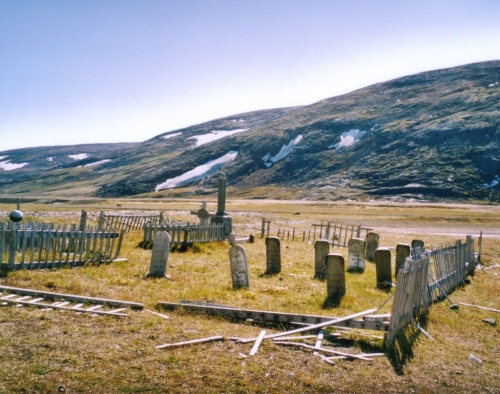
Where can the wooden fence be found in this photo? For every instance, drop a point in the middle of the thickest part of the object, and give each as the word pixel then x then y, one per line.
pixel 428 277
pixel 129 222
pixel 185 233
pixel 337 234
pixel 38 245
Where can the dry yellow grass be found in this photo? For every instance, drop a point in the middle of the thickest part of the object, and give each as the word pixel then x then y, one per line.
pixel 45 352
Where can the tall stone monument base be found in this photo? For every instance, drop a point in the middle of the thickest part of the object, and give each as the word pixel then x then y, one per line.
pixel 226 220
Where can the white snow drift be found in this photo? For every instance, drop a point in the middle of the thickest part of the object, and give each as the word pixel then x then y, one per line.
pixel 96 163
pixel 284 151
pixel 348 138
pixel 79 156
pixel 168 136
pixel 493 183
pixel 8 166
pixel 197 173
pixel 214 135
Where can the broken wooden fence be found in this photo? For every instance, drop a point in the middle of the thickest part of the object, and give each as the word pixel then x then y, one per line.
pixel 185 233
pixel 130 222
pixel 428 277
pixel 337 234
pixel 36 245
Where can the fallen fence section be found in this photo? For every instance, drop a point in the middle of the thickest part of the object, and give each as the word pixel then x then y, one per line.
pixel 370 322
pixel 186 233
pixel 39 299
pixel 446 267
pixel 47 245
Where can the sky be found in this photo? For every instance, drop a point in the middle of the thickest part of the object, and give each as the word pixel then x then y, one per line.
pixel 95 71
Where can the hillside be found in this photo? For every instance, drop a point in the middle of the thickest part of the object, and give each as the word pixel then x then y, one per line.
pixel 429 136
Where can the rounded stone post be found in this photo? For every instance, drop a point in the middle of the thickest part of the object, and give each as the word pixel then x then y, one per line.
pixel 335 275
pixel 371 245
pixel 402 252
pixel 321 250
pixel 221 196
pixel 383 266
pixel 273 255
pixel 356 254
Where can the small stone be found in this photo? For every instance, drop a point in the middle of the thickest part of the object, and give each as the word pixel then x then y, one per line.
pixel 490 321
pixel 475 359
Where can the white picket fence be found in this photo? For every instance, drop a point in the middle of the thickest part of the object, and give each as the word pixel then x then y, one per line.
pixel 35 245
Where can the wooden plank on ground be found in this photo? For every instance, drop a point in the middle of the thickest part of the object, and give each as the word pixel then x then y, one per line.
pixel 298 344
pixel 321 325
pixel 480 307
pixel 258 341
pixel 192 342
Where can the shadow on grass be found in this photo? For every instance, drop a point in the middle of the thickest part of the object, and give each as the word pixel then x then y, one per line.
pixel 332 301
pixel 401 351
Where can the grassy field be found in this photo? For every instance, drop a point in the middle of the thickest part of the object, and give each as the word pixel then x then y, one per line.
pixel 56 351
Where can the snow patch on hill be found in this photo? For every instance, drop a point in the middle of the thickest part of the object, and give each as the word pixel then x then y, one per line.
pixel 8 166
pixel 79 156
pixel 197 173
pixel 493 183
pixel 284 151
pixel 168 136
pixel 348 138
pixel 96 163
pixel 214 135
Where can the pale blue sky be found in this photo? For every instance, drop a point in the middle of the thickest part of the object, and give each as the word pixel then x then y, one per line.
pixel 92 71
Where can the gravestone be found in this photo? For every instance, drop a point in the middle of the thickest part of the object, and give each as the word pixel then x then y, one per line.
pixel 321 250
pixel 418 245
pixel 469 254
pixel 383 266
pixel 239 267
pixel 356 254
pixel 371 245
pixel 335 275
pixel 402 253
pixel 159 257
pixel 273 255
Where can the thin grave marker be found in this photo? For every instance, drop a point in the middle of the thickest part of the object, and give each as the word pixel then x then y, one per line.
pixel 159 257
pixel 239 266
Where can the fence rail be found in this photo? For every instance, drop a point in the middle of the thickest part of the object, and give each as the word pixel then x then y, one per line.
pixel 45 245
pixel 186 233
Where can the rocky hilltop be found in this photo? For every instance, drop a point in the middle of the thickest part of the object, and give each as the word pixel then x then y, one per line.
pixel 429 136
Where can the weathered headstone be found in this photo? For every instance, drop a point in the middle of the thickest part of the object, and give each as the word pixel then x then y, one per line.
pixel 371 245
pixel 159 257
pixel 273 255
pixel 418 245
pixel 335 275
pixel 402 253
pixel 383 266
pixel 356 254
pixel 321 250
pixel 469 254
pixel 239 267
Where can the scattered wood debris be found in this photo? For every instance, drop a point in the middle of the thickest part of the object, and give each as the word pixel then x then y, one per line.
pixel 288 338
